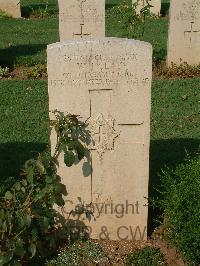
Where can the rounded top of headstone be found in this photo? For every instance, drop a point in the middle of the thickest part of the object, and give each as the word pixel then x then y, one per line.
pixel 105 40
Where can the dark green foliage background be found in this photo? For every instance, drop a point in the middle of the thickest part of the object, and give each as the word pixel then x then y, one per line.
pixel 181 205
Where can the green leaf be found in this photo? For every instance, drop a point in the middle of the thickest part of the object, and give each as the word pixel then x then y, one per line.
pixel 15 263
pixel 4 227
pixel 24 182
pixel 34 233
pixel 80 150
pixel 8 256
pixel 21 221
pixel 8 195
pixel 60 201
pixel 60 189
pixel 27 220
pixel 69 158
pixel 2 213
pixel 17 186
pixel 19 248
pixel 71 145
pixel 30 173
pixel 46 222
pixel 2 260
pixel 40 167
pixel 49 179
pixel 32 249
pixel 19 251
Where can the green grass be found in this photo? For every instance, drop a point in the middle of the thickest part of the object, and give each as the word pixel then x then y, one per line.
pixel 175 123
pixel 23 41
pixel 24 123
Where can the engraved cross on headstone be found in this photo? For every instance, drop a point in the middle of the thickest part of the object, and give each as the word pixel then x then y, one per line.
pixel 191 33
pixel 81 34
pixel 104 129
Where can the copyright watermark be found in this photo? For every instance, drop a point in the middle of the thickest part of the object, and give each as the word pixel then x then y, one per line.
pixel 119 210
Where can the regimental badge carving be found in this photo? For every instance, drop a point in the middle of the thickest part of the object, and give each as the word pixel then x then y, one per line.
pixel 103 133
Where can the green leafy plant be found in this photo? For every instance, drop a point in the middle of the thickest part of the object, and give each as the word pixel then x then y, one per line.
pixel 147 256
pixel 37 71
pixel 42 11
pixel 180 204
pixel 79 254
pixel 27 216
pixel 131 20
pixel 3 14
pixel 4 71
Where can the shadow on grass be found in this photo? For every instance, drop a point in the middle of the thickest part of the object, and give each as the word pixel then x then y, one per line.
pixel 165 9
pixel 166 153
pixel 9 55
pixel 39 9
pixel 12 158
pixel 108 6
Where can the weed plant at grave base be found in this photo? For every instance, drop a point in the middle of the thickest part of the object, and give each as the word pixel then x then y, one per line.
pixel 4 72
pixel 3 14
pixel 37 71
pixel 39 8
pixel 79 254
pixel 132 24
pixel 147 256
pixel 183 71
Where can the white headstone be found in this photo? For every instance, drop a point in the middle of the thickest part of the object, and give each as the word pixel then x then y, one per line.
pixel 108 83
pixel 80 19
pixel 155 6
pixel 11 7
pixel 184 32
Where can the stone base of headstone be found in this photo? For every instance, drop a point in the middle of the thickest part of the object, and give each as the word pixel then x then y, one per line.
pixel 108 83
pixel 11 7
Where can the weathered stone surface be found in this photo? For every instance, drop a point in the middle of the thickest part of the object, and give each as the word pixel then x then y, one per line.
pixel 108 83
pixel 184 32
pixel 11 7
pixel 155 9
pixel 80 19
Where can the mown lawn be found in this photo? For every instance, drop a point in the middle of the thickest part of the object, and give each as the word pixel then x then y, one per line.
pixel 23 41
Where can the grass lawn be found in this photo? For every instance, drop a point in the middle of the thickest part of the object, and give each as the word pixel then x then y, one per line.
pixel 23 41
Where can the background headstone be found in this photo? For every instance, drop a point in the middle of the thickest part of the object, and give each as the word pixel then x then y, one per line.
pixel 155 9
pixel 11 7
pixel 108 83
pixel 184 32
pixel 80 19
